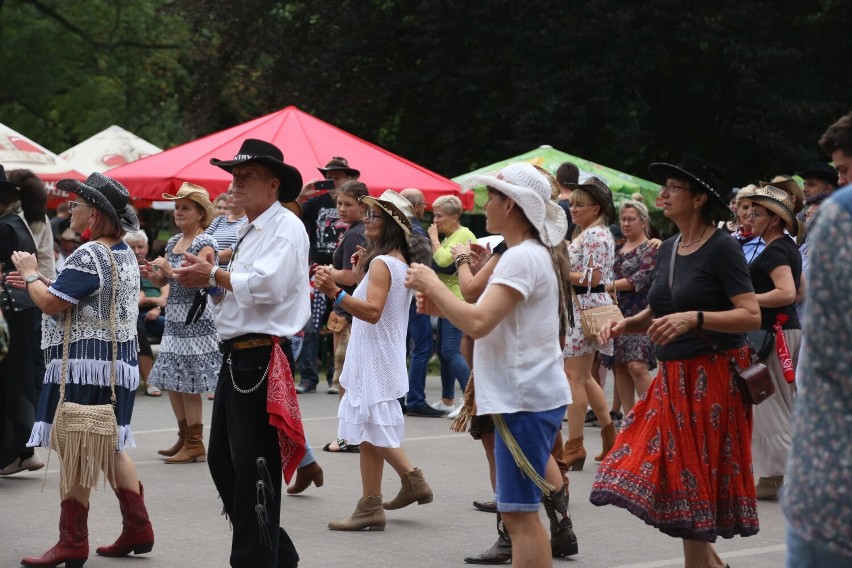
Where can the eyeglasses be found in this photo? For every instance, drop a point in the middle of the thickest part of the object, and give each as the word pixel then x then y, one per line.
pixel 371 216
pixel 671 188
pixel 629 219
pixel 72 205
pixel 754 215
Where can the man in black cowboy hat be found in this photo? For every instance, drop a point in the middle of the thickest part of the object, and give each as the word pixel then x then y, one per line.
pixel 819 178
pixel 260 301
pixel 322 221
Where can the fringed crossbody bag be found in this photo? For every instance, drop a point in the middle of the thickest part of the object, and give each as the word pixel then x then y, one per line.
pixel 85 436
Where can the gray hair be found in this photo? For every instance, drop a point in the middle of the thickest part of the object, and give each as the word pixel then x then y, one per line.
pixel 449 204
pixel 135 237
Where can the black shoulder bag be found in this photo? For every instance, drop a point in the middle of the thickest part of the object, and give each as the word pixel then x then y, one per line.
pixel 755 382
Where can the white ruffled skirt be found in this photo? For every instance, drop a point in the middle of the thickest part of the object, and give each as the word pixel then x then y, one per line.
pixel 381 424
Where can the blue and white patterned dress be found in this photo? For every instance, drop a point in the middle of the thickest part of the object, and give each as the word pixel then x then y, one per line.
pixel 189 360
pixel 86 282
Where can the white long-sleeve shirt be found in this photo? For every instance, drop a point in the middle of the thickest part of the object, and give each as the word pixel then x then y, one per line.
pixel 269 277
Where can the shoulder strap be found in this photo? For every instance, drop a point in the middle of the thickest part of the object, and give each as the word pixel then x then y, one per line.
pixel 672 262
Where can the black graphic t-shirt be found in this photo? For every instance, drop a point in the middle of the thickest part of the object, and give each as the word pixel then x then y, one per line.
pixel 324 227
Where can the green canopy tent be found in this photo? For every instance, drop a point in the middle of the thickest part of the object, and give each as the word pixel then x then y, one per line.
pixel 622 185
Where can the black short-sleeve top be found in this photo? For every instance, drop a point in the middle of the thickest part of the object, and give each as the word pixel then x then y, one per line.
pixel 705 280
pixel 780 252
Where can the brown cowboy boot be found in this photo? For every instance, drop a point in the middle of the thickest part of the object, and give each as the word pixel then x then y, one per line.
pixel 608 435
pixel 179 444
pixel 575 454
pixel 311 473
pixel 193 446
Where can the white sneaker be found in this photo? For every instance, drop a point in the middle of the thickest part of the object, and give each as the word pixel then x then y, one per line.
pixel 30 464
pixel 452 415
pixel 439 405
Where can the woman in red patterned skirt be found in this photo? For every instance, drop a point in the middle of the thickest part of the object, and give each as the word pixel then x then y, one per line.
pixel 682 461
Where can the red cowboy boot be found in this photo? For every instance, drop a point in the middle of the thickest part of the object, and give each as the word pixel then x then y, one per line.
pixel 136 536
pixel 73 545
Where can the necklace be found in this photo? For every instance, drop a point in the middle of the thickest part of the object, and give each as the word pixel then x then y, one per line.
pixel 687 245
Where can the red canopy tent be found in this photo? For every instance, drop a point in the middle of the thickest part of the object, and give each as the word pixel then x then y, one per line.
pixel 307 142
pixel 19 152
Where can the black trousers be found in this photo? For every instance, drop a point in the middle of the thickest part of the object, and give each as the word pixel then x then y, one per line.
pixel 245 463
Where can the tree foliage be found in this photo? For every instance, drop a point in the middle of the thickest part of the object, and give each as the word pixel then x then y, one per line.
pixel 452 85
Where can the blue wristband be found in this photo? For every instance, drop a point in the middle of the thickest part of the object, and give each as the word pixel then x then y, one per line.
pixel 339 297
pixel 215 291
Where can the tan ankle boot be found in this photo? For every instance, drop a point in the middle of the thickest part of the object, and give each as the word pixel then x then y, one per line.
pixel 179 444
pixel 368 515
pixel 608 435
pixel 193 446
pixel 414 488
pixel 575 454
pixel 767 487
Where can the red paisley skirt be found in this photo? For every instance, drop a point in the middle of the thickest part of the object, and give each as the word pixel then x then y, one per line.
pixel 682 460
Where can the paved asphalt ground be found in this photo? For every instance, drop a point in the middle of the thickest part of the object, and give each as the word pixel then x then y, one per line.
pixel 190 532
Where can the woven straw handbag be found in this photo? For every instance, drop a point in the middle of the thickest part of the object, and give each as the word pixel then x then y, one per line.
pixel 85 436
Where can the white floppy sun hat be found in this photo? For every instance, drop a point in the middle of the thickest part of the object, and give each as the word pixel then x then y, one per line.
pixel 531 190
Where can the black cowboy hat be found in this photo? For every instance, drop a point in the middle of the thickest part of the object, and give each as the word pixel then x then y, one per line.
pixel 107 196
pixel 339 164
pixel 4 181
pixel 820 171
pixel 706 176
pixel 255 151
pixel 600 192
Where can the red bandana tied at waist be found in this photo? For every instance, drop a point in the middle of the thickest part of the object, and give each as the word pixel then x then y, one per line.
pixel 282 404
pixel 782 349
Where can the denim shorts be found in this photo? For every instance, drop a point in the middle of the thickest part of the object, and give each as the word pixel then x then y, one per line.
pixel 534 432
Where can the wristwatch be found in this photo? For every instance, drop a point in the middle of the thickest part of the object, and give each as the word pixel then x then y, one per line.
pixel 211 280
pixel 30 279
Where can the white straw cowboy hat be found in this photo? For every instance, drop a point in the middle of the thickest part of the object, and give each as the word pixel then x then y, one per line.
pixel 395 205
pixel 196 194
pixel 791 187
pixel 531 190
pixel 779 202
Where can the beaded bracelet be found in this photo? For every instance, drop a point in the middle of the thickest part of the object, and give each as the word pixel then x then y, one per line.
pixel 462 259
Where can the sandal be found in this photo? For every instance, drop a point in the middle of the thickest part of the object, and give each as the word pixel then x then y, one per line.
pixel 151 390
pixel 342 447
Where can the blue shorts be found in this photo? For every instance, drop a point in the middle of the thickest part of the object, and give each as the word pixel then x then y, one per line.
pixel 535 433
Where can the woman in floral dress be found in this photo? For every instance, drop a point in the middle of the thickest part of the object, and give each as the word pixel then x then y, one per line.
pixel 635 262
pixel 592 254
pixel 189 360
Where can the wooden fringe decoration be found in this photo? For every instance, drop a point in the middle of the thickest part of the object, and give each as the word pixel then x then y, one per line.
pixel 468 410
pixel 86 436
pixel 518 454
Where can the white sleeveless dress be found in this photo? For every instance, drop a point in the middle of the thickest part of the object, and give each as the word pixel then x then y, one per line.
pixel 374 373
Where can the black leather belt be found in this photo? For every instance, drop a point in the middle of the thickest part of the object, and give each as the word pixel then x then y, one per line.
pixel 599 289
pixel 248 341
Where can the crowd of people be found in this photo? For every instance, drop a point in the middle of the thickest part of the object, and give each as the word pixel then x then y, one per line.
pixel 243 294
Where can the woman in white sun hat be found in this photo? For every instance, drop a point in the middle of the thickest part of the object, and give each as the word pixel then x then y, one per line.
pixel 520 379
